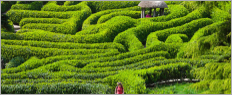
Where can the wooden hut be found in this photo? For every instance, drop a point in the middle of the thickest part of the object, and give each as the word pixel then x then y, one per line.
pixel 152 4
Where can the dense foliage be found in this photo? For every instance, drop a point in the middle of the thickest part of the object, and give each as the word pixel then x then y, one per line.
pixel 86 47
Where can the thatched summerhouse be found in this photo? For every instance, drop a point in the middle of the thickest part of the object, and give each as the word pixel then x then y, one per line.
pixel 152 4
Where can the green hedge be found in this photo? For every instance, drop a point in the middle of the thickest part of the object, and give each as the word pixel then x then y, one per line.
pixel 15 62
pixel 219 15
pixel 56 88
pixel 189 29
pixel 97 6
pixel 213 71
pixel 134 37
pixel 69 3
pixel 41 20
pixel 6 5
pixel 177 38
pixel 34 62
pixel 176 11
pixel 130 60
pixel 65 45
pixel 133 14
pixel 36 5
pixel 207 30
pixel 57 8
pixel 11 51
pixel 136 83
pixel 17 15
pixel 92 19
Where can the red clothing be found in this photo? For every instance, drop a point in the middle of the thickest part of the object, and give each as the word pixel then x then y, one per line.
pixel 148 15
pixel 119 90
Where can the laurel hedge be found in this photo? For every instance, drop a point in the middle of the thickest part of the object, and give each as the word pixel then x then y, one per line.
pixel 176 11
pixel 189 29
pixel 56 8
pixel 36 5
pixel 133 14
pixel 41 20
pixel 177 38
pixel 219 15
pixel 65 45
pixel 97 6
pixel 134 37
pixel 57 88
pixel 136 83
pixel 6 5
pixel 92 19
pixel 11 51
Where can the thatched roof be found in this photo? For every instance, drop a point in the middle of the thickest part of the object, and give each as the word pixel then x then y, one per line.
pixel 153 4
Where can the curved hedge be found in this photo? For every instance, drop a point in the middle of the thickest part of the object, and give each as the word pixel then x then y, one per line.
pixel 189 29
pixel 133 37
pixel 65 45
pixel 132 14
pixel 57 8
pixel 69 3
pixel 177 38
pixel 97 6
pixel 11 51
pixel 36 5
pixel 56 88
pixel 41 20
pixel 92 19
pixel 6 5
pixel 219 15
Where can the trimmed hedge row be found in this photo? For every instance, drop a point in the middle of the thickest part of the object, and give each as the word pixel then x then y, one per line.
pixel 176 11
pixel 219 15
pixel 34 62
pixel 36 5
pixel 133 14
pixel 189 29
pixel 69 3
pixel 130 60
pixel 214 86
pixel 213 71
pixel 65 45
pixel 17 15
pixel 207 30
pixel 56 88
pixel 42 20
pixel 6 5
pixel 156 61
pixel 92 19
pixel 136 83
pixel 97 6
pixel 11 51
pixel 57 8
pixel 177 38
pixel 133 37
pixel 51 71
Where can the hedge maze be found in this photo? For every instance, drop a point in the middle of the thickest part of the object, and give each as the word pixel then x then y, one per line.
pixel 86 47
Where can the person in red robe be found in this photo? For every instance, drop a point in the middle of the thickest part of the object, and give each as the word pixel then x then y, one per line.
pixel 119 88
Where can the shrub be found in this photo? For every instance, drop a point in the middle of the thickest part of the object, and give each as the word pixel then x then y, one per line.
pixel 177 38
pixel 134 37
pixel 56 8
pixel 6 24
pixel 132 14
pixel 41 20
pixel 219 15
pixel 65 45
pixel 189 29
pixel 15 62
pixel 97 6
pixel 94 17
pixel 69 3
pixel 11 51
pixel 57 88
pixel 6 5
pixel 36 5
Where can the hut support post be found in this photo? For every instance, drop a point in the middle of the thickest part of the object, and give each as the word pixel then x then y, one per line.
pixel 143 13
pixel 161 11
pixel 154 12
pixel 150 10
